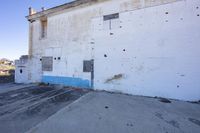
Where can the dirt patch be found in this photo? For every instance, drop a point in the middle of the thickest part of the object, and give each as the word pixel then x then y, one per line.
pixel 7 79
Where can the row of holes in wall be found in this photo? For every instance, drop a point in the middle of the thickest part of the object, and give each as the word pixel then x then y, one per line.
pixel 112 17
pixel 105 55
pixel 58 58
pixel 109 18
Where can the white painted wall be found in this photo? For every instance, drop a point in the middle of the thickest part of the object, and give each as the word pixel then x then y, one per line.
pixel 21 71
pixel 161 50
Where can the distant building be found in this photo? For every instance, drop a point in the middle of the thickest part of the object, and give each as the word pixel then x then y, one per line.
pixel 140 47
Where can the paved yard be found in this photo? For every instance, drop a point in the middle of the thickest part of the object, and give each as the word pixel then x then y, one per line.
pixel 5 87
pixel 48 109
pixel 24 106
pixel 102 112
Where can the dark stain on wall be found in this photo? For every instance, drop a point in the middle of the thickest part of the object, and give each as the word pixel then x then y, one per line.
pixel 115 77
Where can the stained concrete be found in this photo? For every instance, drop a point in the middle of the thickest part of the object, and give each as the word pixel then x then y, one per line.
pixel 12 86
pixel 102 112
pixel 23 107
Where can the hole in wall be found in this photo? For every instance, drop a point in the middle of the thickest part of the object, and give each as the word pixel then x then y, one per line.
pixel 197 7
pixel 21 71
pixel 54 58
pixel 40 59
pixel 91 42
pixel 129 124
pixel 166 12
pixel 111 33
pixel 124 50
pixel 105 55
pixel 198 15
pixel 59 58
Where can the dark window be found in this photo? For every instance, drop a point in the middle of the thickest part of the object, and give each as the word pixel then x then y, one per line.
pixel 111 22
pixel 21 71
pixel 111 16
pixel 87 66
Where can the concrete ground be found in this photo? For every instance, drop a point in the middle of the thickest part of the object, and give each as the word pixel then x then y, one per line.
pixel 24 106
pixel 102 112
pixel 5 87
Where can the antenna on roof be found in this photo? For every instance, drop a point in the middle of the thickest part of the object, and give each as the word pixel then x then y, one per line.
pixel 31 11
pixel 43 8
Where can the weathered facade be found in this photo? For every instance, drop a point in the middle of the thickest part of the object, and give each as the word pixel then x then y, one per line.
pixel 139 47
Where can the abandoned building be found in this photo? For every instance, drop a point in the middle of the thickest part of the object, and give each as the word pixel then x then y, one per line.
pixel 139 47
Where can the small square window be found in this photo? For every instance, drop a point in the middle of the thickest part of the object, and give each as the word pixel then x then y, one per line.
pixel 111 16
pixel 47 63
pixel 87 66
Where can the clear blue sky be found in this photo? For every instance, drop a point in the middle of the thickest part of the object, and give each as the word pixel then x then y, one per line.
pixel 14 26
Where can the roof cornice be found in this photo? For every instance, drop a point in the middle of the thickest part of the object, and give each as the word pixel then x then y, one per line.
pixel 59 8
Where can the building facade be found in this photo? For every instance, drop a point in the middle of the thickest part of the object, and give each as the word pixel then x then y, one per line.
pixel 139 47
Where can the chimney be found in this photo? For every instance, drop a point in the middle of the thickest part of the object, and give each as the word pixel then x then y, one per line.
pixel 43 8
pixel 31 11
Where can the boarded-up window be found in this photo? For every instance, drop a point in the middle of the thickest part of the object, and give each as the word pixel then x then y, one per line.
pixel 111 21
pixel 111 16
pixel 47 63
pixel 43 28
pixel 87 66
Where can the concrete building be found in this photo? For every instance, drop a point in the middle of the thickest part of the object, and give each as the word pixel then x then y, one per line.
pixel 140 47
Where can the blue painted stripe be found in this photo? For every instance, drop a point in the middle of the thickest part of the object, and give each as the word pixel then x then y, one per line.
pixel 67 81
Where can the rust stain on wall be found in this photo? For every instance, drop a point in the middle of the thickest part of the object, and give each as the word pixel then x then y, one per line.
pixel 30 51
